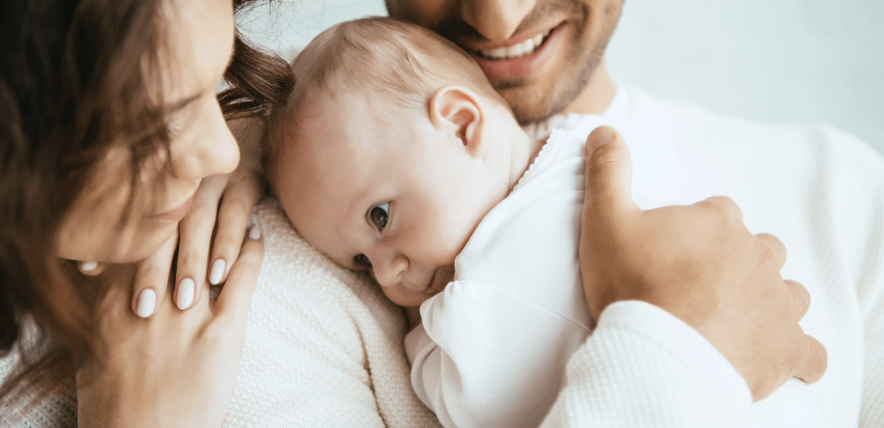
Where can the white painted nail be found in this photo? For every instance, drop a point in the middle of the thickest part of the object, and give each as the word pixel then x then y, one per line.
pixel 88 266
pixel 217 272
pixel 186 288
pixel 147 302
pixel 255 232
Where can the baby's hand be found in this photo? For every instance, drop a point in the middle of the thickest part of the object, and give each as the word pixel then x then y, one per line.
pixel 414 317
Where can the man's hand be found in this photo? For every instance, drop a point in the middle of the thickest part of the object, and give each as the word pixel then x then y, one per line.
pixel 700 264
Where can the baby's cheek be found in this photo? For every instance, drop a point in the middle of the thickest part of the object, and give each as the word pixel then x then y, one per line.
pixel 449 241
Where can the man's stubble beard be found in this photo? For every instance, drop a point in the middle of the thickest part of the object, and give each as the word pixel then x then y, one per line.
pixel 532 103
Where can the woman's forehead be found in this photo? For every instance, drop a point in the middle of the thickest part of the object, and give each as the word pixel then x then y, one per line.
pixel 198 47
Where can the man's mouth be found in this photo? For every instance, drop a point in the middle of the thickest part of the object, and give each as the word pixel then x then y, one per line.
pixel 518 50
pixel 519 57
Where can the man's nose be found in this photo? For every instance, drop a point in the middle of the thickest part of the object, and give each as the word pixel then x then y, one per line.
pixel 388 268
pixel 495 19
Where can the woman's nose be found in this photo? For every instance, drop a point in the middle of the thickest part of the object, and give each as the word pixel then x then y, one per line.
pixel 388 269
pixel 209 149
pixel 495 19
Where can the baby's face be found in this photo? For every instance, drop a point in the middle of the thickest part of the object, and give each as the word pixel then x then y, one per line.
pixel 398 199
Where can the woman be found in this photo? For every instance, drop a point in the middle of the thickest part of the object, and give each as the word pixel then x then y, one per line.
pixel 111 131
pixel 111 125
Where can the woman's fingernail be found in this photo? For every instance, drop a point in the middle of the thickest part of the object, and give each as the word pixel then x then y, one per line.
pixel 255 232
pixel 147 302
pixel 185 293
pixel 217 271
pixel 88 266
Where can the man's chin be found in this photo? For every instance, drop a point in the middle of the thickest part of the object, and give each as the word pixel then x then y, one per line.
pixel 551 91
pixel 532 102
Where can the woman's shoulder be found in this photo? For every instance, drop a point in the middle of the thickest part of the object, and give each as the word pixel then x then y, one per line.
pixel 57 408
pixel 323 346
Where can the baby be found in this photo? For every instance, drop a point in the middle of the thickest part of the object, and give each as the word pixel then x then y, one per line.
pixel 395 156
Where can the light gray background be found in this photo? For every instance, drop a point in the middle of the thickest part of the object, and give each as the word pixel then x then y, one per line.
pixel 777 61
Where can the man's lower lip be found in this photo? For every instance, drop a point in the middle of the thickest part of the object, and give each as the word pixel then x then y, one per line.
pixel 525 66
pixel 178 213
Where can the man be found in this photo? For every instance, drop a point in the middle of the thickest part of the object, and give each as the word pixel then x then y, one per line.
pixel 819 190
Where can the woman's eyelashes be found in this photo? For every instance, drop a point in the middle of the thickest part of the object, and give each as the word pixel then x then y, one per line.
pixel 379 214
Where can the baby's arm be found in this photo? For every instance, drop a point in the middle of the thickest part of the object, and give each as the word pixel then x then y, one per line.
pixel 484 357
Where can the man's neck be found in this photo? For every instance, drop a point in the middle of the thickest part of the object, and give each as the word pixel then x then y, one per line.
pixel 594 99
pixel 597 95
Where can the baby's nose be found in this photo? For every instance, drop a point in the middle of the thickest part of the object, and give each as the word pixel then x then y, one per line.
pixel 390 272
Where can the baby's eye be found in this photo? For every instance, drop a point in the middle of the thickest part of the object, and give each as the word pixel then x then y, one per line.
pixel 361 259
pixel 379 215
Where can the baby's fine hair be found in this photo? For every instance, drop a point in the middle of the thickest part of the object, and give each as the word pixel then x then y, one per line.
pixel 396 61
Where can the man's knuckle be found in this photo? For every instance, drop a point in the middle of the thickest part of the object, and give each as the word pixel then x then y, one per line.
pixel 602 157
pixel 765 254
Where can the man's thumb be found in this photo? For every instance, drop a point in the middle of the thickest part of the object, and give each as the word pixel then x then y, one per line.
pixel 608 173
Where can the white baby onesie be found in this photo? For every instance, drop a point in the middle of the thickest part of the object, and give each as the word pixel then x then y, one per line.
pixel 492 347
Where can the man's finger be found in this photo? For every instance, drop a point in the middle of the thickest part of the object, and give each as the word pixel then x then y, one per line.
pixel 816 361
pixel 236 296
pixel 608 174
pixel 776 246
pixel 800 299
pixel 152 279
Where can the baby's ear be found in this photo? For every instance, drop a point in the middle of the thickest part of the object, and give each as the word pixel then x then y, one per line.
pixel 456 110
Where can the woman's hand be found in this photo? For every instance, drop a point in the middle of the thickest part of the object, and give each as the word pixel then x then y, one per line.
pixel 231 197
pixel 700 264
pixel 175 369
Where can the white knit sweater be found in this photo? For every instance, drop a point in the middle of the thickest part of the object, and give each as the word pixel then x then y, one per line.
pixel 323 347
pixel 822 193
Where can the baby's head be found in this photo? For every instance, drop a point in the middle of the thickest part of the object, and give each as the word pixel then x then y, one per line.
pixel 392 148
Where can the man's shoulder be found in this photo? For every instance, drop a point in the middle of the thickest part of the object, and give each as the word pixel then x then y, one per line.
pixel 673 115
pixel 698 131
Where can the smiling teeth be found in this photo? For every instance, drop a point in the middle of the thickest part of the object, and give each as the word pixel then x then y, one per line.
pixel 516 51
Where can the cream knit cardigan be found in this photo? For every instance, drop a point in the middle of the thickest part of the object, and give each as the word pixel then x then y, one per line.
pixel 323 348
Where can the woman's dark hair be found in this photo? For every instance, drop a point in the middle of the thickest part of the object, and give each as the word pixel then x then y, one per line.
pixel 77 78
